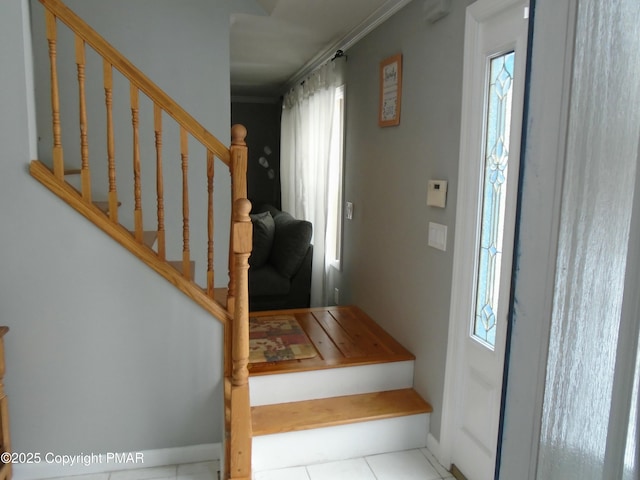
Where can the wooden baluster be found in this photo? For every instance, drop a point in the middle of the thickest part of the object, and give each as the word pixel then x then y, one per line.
pixel 85 173
pixel 58 157
pixel 184 149
pixel 240 434
pixel 157 121
pixel 111 148
pixel 210 276
pixel 137 185
pixel 238 168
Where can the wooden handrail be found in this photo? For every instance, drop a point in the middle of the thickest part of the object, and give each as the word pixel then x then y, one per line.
pixel 70 195
pixel 139 79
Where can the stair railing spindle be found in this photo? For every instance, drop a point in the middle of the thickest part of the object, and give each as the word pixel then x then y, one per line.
pixel 107 74
pixel 85 173
pixel 52 39
pixel 210 273
pixel 184 154
pixel 157 122
pixel 137 181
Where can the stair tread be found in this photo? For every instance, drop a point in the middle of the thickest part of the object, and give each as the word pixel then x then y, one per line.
pixel 148 237
pixel 328 412
pixel 104 205
pixel 343 336
pixel 177 264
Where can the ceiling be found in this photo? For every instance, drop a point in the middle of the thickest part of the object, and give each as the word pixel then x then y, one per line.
pixel 278 42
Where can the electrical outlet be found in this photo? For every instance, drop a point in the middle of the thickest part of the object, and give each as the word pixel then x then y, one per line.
pixel 336 296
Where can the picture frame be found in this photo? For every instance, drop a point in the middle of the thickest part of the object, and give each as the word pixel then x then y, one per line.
pixel 390 91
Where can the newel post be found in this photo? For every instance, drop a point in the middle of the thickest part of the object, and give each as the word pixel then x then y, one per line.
pixel 240 428
pixel 238 167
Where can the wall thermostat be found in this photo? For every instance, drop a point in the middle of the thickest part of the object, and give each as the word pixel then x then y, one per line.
pixel 437 193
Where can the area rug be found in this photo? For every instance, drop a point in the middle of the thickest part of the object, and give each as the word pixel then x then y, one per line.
pixel 277 338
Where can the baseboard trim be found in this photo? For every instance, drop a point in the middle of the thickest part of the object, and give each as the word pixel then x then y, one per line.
pixel 51 465
pixel 433 446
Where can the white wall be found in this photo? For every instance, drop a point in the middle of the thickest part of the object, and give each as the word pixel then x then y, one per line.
pixel 389 270
pixel 184 48
pixel 103 354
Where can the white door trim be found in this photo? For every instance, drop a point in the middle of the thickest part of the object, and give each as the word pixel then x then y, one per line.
pixel 467 219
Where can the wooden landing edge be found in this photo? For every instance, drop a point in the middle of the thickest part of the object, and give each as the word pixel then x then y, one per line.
pixel 330 412
pixel 322 362
pixel 41 172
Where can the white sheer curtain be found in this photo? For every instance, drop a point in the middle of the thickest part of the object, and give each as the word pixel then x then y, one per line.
pixel 305 148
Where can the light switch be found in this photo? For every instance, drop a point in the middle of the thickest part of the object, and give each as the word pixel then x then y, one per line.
pixel 438 236
pixel 437 193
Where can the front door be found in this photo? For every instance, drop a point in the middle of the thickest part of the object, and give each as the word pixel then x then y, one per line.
pixel 493 92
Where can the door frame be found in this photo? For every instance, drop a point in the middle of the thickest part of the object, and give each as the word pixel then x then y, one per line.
pixel 467 219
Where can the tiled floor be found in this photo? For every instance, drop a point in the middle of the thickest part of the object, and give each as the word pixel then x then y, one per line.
pixel 189 471
pixel 406 465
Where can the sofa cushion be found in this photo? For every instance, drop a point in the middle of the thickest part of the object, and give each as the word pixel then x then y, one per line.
pixel 290 243
pixel 263 234
pixel 268 281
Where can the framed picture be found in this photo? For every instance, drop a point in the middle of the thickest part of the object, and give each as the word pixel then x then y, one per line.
pixel 390 91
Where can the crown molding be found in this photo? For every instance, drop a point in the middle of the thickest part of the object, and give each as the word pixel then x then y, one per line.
pixel 384 12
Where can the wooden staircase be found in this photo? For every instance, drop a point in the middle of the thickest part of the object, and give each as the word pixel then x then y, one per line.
pixel 93 190
pixel 355 398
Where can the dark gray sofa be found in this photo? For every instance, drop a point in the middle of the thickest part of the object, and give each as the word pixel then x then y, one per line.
pixel 281 260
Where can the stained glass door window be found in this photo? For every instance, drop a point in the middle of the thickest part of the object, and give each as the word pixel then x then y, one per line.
pixel 494 193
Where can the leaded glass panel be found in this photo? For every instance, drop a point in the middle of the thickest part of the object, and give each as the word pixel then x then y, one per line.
pixel 494 192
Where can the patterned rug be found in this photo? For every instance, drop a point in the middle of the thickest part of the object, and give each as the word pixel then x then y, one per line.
pixel 277 338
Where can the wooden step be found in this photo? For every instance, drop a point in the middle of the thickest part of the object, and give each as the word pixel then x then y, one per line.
pixel 104 206
pixel 343 336
pixel 330 382
pixel 177 264
pixel 72 171
pixel 328 412
pixel 148 237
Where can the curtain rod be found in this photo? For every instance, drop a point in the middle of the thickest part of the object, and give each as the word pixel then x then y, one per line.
pixel 338 54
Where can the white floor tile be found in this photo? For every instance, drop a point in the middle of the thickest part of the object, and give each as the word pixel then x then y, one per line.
pixel 357 469
pixel 91 476
pixel 407 465
pixel 294 473
pixel 145 473
pixel 434 461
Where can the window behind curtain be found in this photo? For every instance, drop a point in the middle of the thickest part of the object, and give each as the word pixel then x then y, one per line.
pixel 335 181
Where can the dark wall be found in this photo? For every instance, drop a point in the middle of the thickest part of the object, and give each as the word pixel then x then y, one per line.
pixel 262 121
